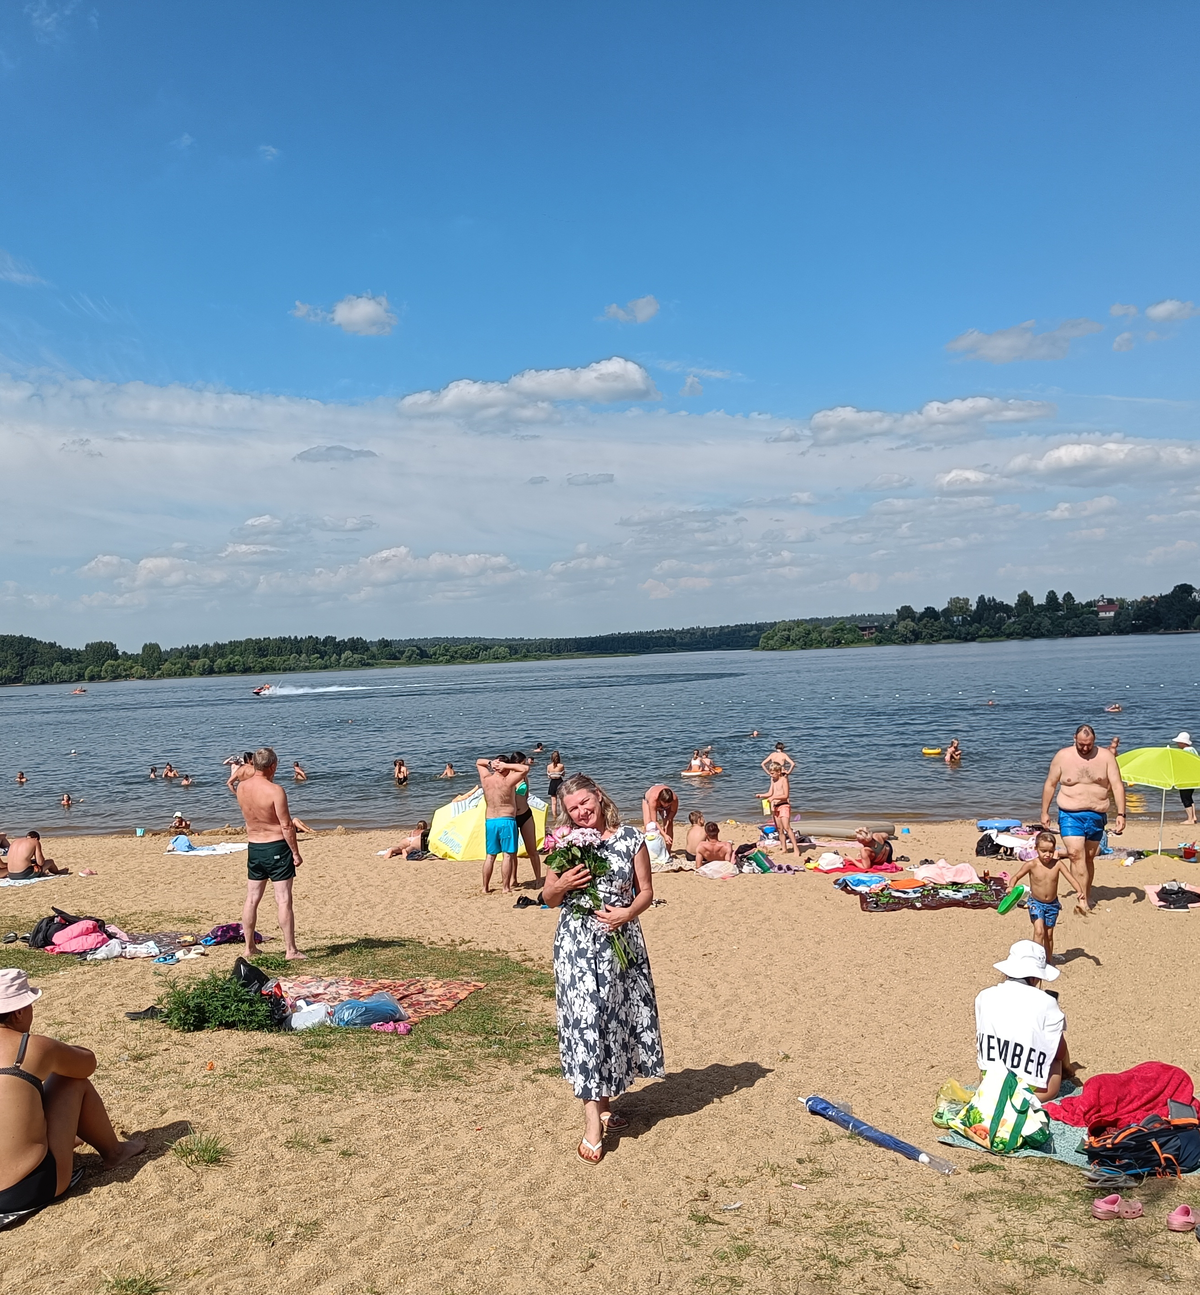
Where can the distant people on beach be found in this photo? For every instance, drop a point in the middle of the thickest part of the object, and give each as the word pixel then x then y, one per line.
pixel 710 849
pixel 695 834
pixel 179 823
pixel 49 1105
pixel 499 779
pixel 26 859
pixel 525 823
pixel 1187 795
pixel 1021 1027
pixel 448 771
pixel 301 826
pixel 608 1030
pixel 298 774
pixel 1086 777
pixel 779 796
pixel 874 848
pixel 954 752
pixel 416 842
pixel 21 779
pixel 273 853
pixel 556 771
pixel 1044 874
pixel 660 805
pixel 399 772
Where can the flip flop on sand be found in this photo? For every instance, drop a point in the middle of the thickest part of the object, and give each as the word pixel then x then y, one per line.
pixel 1182 1219
pixel 610 1121
pixel 591 1152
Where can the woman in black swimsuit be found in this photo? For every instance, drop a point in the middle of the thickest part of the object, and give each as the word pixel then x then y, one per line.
pixel 555 771
pixel 46 1100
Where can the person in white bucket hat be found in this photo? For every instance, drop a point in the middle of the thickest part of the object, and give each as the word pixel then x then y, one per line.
pixel 1186 794
pixel 1020 1026
pixel 46 1101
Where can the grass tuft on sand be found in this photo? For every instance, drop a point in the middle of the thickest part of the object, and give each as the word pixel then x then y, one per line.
pixel 201 1149
pixel 144 1282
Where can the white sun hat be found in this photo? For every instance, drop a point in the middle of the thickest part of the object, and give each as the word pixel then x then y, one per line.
pixel 1184 739
pixel 15 990
pixel 1027 958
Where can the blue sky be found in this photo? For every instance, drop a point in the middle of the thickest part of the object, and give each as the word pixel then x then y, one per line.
pixel 232 234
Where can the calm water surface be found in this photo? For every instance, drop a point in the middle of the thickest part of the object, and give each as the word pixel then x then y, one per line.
pixel 854 720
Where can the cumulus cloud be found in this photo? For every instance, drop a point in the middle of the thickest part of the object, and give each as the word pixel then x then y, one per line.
pixel 14 270
pixel 1171 552
pixel 603 382
pixel 1065 511
pixel 364 316
pixel 692 387
pixel 590 479
pixel 1110 460
pixel 1021 343
pixel 1118 309
pixel 1123 342
pixel 1171 311
pixel 394 566
pixel 888 481
pixel 958 480
pixel 332 454
pixel 845 423
pixel 637 311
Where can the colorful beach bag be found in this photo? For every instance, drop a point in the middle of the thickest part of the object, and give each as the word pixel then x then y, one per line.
pixel 1003 1115
pixel 1166 1148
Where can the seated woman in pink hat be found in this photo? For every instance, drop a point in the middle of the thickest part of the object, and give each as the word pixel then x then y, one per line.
pixel 46 1101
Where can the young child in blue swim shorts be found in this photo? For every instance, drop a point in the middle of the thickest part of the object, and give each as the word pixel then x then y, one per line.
pixel 1044 874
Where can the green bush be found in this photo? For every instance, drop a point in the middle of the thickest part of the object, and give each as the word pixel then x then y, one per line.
pixel 215 1002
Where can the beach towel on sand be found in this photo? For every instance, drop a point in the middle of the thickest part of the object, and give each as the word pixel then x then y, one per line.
pixel 419 998
pixel 1112 1101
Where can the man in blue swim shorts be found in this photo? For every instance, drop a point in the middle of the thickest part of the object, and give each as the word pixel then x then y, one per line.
pixel 1086 777
pixel 499 780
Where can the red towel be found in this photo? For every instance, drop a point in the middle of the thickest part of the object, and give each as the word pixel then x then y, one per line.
pixel 1112 1101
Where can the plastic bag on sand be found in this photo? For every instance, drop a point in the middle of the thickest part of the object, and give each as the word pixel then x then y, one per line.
pixel 110 950
pixel 304 1018
pixel 147 950
pixel 656 845
pixel 358 1013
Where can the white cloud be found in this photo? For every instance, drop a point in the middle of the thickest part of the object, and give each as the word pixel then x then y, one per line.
pixel 888 481
pixel 863 581
pixel 681 366
pixel 248 550
pixel 1065 511
pixel 1090 533
pixel 1125 461
pixel 1123 342
pixel 363 316
pixel 183 143
pixel 637 311
pixel 268 152
pixel 692 387
pixel 1021 342
pixel 590 479
pixel 266 524
pixel 958 480
pixel 537 481
pixel 605 381
pixel 1118 309
pixel 1171 311
pixel 845 423
pixel 14 270
pixel 1171 552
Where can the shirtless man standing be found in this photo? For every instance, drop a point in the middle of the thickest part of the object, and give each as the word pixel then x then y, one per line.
pixel 660 805
pixel 273 853
pixel 499 779
pixel 1086 776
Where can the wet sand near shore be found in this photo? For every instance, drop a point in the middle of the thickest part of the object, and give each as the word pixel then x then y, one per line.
pixel 770 988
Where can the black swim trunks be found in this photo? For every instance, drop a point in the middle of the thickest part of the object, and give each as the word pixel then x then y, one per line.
pixel 270 861
pixel 37 1189
pixel 27 875
pixel 555 784
pixel 524 818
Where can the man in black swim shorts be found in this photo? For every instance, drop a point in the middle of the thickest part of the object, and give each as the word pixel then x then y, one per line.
pixel 273 854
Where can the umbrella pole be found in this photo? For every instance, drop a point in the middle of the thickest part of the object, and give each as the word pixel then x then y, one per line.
pixel 1162 815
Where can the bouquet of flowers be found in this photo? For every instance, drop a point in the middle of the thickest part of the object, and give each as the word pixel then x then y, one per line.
pixel 575 849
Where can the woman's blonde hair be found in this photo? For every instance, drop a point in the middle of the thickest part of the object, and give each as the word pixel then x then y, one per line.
pixel 581 782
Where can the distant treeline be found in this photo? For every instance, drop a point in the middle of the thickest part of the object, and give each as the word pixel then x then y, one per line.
pixel 31 661
pixel 990 620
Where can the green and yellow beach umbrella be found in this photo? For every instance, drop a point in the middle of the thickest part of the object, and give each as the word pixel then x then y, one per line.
pixel 1168 767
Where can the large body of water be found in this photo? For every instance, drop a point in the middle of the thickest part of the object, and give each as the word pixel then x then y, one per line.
pixel 854 720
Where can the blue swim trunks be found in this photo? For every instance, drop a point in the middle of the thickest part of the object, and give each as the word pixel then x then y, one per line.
pixel 1081 822
pixel 1039 911
pixel 502 835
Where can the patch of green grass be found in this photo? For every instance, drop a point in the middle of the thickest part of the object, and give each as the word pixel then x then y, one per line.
pixel 696 1217
pixel 144 1282
pixel 986 1167
pixel 201 1149
pixel 298 1142
pixel 214 1002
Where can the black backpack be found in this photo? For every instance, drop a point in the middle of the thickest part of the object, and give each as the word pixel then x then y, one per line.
pixel 1166 1148
pixel 42 935
pixel 1174 894
pixel 986 847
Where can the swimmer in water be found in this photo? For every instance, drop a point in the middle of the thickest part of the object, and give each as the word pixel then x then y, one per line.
pixel 1114 709
pixel 66 801
pixel 185 781
pixel 298 774
pixel 696 764
pixel 153 772
pixel 243 768
pixel 399 772
pixel 448 771
pixel 954 752
pixel 169 770
pixel 21 779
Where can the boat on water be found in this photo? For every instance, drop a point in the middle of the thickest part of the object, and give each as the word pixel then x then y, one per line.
pixel 78 692
pixel 263 689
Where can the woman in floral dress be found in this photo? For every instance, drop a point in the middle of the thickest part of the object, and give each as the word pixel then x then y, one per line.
pixel 608 1033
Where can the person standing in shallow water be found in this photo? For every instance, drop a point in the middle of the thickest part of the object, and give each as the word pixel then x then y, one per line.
pixel 608 1030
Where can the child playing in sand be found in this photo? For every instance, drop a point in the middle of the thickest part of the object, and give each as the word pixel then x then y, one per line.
pixel 1044 874
pixel 695 834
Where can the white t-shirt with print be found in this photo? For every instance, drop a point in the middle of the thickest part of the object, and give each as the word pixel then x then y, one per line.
pixel 1019 1027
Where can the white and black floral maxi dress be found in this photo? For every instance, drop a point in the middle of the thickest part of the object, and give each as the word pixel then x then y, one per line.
pixel 608 1033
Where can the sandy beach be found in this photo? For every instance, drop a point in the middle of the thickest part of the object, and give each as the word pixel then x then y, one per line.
pixel 770 988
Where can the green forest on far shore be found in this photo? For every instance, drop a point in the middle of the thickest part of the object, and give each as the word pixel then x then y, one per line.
pixel 26 660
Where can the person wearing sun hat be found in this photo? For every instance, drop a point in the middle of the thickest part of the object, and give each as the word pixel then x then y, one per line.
pixel 1186 794
pixel 1020 1026
pixel 46 1101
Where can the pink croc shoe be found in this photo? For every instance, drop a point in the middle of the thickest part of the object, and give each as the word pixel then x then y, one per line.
pixel 1182 1219
pixel 1107 1207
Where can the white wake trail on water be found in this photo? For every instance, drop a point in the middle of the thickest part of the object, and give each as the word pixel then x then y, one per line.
pixel 291 690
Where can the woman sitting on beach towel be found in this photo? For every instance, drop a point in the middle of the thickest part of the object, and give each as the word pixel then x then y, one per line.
pixel 874 848
pixel 46 1101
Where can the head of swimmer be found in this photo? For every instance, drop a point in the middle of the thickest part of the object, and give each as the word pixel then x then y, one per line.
pixel 1085 739
pixel 264 760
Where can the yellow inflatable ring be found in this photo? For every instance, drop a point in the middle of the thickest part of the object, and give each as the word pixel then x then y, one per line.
pixel 931 750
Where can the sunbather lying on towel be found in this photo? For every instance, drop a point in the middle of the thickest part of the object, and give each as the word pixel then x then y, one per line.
pixel 416 842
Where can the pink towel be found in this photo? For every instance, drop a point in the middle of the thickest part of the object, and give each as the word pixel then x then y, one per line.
pixel 943 872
